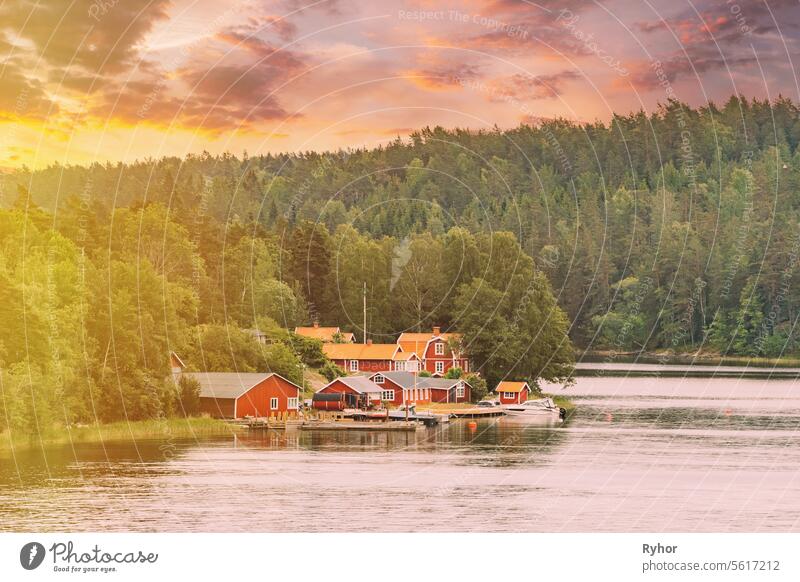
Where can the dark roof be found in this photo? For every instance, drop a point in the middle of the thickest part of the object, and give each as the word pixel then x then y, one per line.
pixel 409 380
pixel 441 383
pixel 402 379
pixel 229 384
pixel 360 384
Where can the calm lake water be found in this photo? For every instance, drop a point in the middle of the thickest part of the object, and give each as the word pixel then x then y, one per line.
pixel 639 454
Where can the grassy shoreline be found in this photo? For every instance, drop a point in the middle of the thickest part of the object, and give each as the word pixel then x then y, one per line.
pixel 166 428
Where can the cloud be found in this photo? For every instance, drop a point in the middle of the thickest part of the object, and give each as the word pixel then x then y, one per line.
pixel 21 97
pixel 443 78
pixel 100 37
pixel 530 87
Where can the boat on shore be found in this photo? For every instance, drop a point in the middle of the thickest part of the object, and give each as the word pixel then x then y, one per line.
pixel 541 408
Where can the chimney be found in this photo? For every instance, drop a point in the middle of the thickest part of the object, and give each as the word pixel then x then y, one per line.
pixel 316 324
pixel 437 330
pixel 369 342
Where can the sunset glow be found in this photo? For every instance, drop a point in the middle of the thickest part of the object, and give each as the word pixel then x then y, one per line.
pixel 98 80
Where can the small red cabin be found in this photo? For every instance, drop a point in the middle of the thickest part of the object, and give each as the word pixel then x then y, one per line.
pixel 513 392
pixel 367 392
pixel 232 395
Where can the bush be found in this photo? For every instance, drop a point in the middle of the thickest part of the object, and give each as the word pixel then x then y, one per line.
pixel 331 371
pixel 309 350
pixel 189 395
pixel 479 387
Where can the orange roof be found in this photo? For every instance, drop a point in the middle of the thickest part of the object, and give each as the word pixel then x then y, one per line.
pixel 417 342
pixel 512 387
pixel 405 356
pixel 323 333
pixel 360 351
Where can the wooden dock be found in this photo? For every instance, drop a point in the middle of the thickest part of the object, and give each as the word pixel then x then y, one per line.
pixel 394 426
pixel 328 423
pixel 471 412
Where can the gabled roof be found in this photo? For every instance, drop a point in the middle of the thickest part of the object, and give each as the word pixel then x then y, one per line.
pixel 402 379
pixel 229 384
pixel 360 384
pixel 177 359
pixel 405 356
pixel 418 342
pixel 441 383
pixel 512 387
pixel 409 380
pixel 326 334
pixel 360 351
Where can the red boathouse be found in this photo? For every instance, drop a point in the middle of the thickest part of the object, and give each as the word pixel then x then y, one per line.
pixel 232 395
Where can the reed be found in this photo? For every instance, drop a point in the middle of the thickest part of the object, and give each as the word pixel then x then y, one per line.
pixel 165 428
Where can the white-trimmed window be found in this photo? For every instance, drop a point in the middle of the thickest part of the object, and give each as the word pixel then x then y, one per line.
pixel 399 366
pixel 354 365
pixel 460 391
pixel 378 379
pixel 273 404
pixel 292 404
pixel 509 395
pixel 412 366
pixel 438 348
pixel 387 395
pixel 440 367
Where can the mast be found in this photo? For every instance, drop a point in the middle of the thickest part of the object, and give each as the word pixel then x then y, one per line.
pixel 365 312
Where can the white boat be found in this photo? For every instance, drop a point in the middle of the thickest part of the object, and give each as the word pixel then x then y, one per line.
pixel 543 408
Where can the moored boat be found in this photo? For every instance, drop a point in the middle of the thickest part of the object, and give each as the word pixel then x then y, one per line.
pixel 543 408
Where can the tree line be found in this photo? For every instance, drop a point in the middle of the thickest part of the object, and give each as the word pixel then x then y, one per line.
pixel 675 230
pixel 92 304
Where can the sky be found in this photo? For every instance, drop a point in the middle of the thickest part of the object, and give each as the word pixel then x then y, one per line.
pixel 85 81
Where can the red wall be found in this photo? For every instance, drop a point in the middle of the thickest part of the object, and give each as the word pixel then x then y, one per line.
pixel 520 397
pixel 440 395
pixel 338 386
pixel 217 407
pixel 366 365
pixel 431 358
pixel 398 391
pixel 255 402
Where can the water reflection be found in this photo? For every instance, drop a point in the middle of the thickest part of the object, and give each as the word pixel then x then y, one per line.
pixel 639 454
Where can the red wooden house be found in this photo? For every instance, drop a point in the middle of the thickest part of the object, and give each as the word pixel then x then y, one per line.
pixel 513 392
pixel 367 392
pixel 407 388
pixel 368 357
pixel 232 395
pixel 435 350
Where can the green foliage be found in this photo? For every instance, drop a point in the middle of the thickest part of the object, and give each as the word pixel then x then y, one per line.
pixel 479 387
pixel 454 373
pixel 605 235
pixel 189 395
pixel 331 371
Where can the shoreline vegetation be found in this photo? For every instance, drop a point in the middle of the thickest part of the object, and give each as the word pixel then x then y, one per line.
pixel 166 428
pixel 160 429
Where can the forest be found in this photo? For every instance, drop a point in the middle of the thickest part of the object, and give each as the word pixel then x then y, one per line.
pixel 673 231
